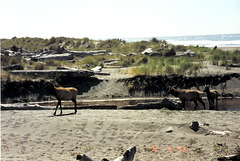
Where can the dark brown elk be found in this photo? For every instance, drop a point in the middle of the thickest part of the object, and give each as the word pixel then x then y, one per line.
pixel 62 93
pixel 187 95
pixel 211 95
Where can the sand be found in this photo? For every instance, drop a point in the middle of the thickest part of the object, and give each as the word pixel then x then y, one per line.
pixel 38 135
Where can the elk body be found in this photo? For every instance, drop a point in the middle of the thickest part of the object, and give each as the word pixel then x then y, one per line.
pixel 187 95
pixel 211 95
pixel 62 93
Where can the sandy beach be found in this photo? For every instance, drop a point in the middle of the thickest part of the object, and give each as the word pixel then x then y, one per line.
pixel 38 135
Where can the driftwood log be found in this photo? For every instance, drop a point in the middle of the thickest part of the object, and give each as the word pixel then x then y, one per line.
pixel 230 157
pixel 166 102
pixel 54 73
pixel 13 67
pixel 127 156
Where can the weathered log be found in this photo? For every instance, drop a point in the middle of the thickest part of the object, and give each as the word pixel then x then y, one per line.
pixel 167 103
pixel 88 53
pixel 84 158
pixel 235 65
pixel 65 56
pixel 229 157
pixel 13 67
pixel 147 51
pixel 127 156
pixel 54 73
pixel 97 69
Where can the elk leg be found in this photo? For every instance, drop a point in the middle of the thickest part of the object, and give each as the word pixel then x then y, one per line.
pixel 209 101
pixel 201 101
pixel 60 107
pixel 56 108
pixel 196 105
pixel 216 103
pixel 75 105
pixel 183 104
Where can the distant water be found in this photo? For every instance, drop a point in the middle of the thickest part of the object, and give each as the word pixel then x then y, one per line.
pixel 225 40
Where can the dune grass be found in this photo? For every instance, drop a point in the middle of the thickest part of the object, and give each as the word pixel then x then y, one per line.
pixel 141 64
pixel 168 65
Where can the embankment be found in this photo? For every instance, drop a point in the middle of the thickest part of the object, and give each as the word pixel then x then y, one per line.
pixel 228 85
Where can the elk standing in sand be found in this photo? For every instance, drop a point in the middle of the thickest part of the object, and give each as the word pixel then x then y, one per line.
pixel 62 93
pixel 211 95
pixel 187 95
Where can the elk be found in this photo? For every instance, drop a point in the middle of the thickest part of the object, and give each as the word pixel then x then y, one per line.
pixel 62 93
pixel 211 95
pixel 187 95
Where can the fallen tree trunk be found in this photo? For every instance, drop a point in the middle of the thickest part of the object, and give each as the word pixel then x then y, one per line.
pixel 88 53
pixel 54 73
pixel 167 103
pixel 127 156
pixel 13 67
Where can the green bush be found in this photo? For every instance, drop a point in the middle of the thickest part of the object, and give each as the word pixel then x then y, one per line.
pixel 39 66
pixel 225 56
pixel 180 48
pixel 6 60
pixel 52 40
pixel 52 62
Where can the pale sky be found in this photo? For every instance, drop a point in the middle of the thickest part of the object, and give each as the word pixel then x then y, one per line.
pixel 100 19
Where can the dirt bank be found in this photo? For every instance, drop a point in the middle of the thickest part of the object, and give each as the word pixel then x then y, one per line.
pixel 228 85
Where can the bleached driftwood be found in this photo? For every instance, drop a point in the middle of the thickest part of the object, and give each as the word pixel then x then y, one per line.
pixel 13 67
pixel 229 157
pixel 54 73
pixel 211 132
pixel 84 158
pixel 127 156
pixel 97 69
pixel 65 56
pixel 167 103
pixel 88 53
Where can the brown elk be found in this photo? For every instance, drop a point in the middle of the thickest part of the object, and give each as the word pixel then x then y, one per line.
pixel 187 95
pixel 211 95
pixel 62 93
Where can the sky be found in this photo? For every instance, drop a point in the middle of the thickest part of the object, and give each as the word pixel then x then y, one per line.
pixel 101 19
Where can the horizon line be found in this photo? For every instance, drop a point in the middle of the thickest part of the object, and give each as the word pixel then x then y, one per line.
pixel 138 37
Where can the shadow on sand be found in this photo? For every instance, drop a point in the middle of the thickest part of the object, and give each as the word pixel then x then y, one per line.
pixel 67 114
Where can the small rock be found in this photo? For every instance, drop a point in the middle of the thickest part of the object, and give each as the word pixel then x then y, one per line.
pixel 194 126
pixel 170 129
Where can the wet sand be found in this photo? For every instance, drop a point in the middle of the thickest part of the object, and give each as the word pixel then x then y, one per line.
pixel 38 135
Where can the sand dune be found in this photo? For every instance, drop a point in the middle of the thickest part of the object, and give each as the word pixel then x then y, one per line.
pixel 37 135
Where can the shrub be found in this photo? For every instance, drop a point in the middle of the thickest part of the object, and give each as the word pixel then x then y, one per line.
pixel 78 43
pixel 53 47
pixel 51 62
pixel 180 48
pixel 52 40
pixel 169 69
pixel 88 60
pixel 143 60
pixel 39 66
pixel 85 40
pixel 171 52
pixel 125 61
pixel 155 40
